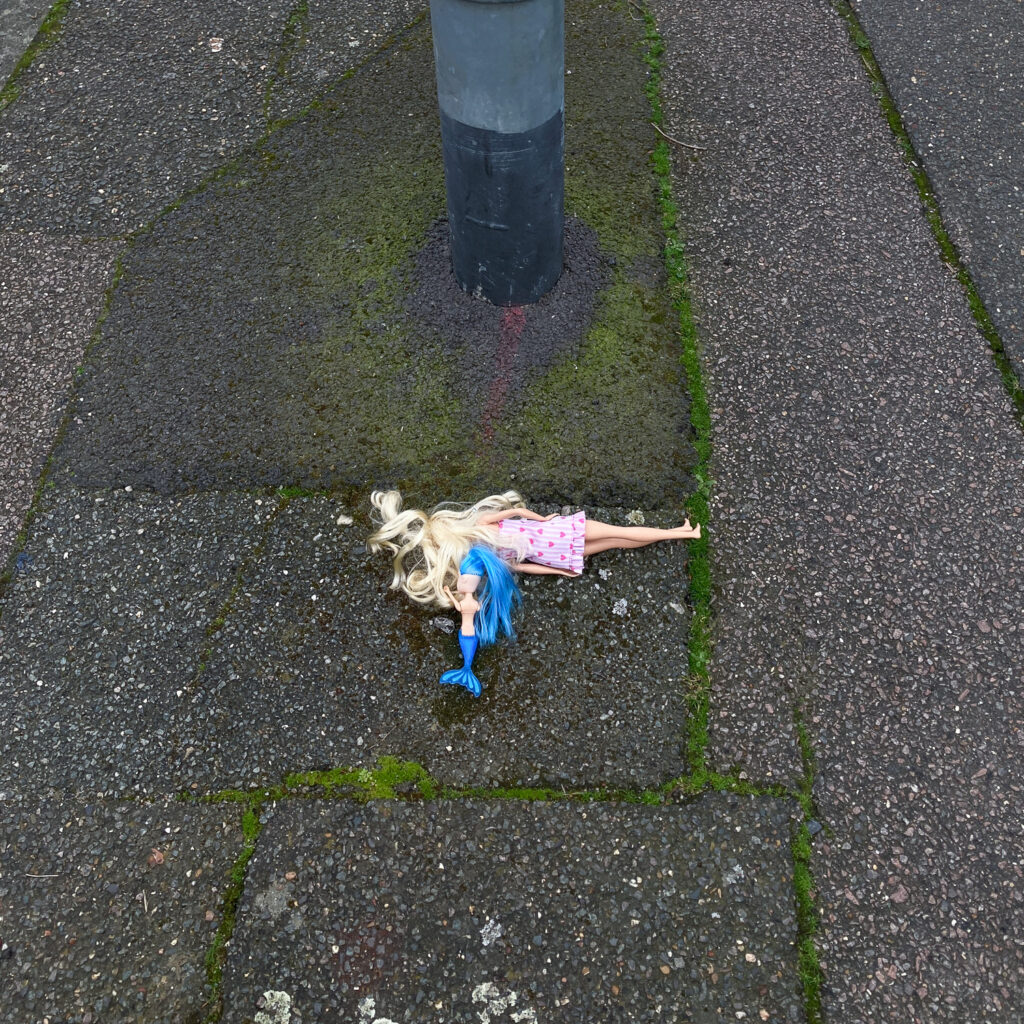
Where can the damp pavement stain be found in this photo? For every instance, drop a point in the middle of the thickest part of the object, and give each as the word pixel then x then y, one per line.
pixel 263 334
pixel 319 665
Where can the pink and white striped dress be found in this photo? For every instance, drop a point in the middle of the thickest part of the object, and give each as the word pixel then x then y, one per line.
pixel 557 543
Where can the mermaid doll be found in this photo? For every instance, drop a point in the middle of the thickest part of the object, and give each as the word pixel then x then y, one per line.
pixel 479 547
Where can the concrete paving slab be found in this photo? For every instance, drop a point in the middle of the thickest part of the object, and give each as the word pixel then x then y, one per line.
pixel 956 72
pixel 52 293
pixel 327 41
pixel 107 910
pixel 262 335
pixel 919 885
pixel 103 628
pixel 19 22
pixel 507 911
pixel 115 120
pixel 320 666
pixel 868 516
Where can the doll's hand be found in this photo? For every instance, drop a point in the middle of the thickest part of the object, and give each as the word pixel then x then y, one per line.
pixel 451 597
pixel 547 519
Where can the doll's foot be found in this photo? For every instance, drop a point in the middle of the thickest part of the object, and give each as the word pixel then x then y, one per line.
pixel 687 532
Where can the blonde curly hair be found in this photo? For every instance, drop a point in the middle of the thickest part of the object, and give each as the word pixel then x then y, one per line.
pixel 434 543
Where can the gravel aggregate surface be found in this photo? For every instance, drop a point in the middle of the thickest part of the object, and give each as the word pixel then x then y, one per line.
pixel 956 72
pixel 103 628
pixel 115 120
pixel 19 22
pixel 507 911
pixel 52 293
pixel 107 910
pixel 868 516
pixel 327 41
pixel 319 665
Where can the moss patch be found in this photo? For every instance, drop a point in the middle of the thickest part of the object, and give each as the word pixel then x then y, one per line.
pixel 274 298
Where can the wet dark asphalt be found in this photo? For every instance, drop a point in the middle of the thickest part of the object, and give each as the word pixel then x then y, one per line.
pixel 886 412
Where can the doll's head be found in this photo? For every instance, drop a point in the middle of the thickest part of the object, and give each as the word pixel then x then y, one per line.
pixel 499 595
pixel 428 548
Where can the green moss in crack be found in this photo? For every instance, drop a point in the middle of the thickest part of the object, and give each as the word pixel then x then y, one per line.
pixel 49 32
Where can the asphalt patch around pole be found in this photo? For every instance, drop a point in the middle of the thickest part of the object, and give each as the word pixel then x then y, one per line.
pixel 502 911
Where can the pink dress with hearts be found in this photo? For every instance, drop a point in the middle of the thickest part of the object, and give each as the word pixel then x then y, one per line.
pixel 558 542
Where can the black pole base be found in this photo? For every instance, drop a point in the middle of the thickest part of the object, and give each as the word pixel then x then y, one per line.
pixel 505 209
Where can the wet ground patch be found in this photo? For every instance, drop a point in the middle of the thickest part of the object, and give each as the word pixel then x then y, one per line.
pixel 261 333
pixel 319 665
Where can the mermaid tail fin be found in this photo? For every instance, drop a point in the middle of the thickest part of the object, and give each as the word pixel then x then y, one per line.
pixel 464 676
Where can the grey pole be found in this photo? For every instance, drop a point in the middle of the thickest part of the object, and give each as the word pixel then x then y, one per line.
pixel 500 67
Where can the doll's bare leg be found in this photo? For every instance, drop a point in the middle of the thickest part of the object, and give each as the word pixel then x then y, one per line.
pixel 595 547
pixel 632 536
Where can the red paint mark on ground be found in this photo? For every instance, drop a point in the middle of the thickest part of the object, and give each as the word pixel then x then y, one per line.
pixel 513 319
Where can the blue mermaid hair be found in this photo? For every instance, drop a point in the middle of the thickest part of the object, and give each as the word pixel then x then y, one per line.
pixel 499 594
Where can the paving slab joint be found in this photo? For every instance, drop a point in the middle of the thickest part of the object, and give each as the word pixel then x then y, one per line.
pixel 217 953
pixel 395 779
pixel 933 214
pixel 46 482
pixel 49 32
pixel 699 645
pixel 804 889
pixel 218 621
pixel 292 38
pixel 293 35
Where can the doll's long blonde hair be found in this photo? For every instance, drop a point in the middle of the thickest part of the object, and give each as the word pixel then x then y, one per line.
pixel 435 543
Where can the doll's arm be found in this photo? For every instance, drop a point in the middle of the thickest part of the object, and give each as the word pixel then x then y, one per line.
pixel 490 518
pixel 533 568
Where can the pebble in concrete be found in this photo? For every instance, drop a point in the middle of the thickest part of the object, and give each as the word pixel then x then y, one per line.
pixel 478 911
pixel 319 666
pixel 107 910
pixel 52 293
pixel 869 517
pixel 103 629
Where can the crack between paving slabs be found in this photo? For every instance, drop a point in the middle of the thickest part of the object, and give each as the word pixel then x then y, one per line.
pixel 948 251
pixel 700 642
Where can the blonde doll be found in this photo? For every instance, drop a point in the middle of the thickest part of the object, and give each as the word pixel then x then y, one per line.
pixel 460 546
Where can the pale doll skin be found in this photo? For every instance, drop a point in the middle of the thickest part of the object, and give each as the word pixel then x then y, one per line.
pixel 466 603
pixel 597 537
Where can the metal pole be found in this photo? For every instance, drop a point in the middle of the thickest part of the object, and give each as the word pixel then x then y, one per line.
pixel 500 67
